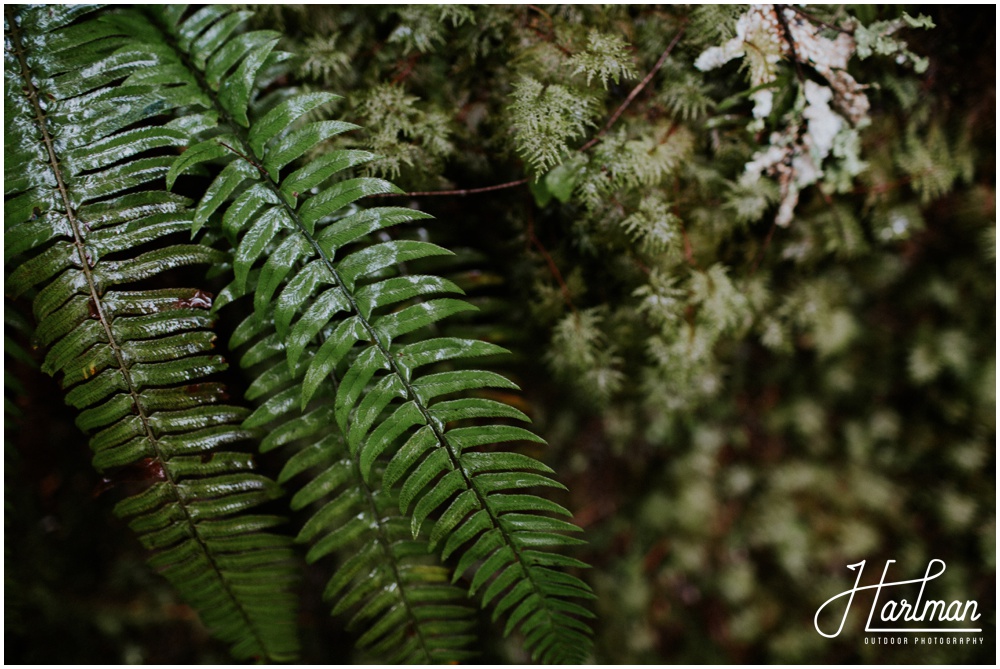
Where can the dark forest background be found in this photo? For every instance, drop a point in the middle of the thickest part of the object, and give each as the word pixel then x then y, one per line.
pixel 846 413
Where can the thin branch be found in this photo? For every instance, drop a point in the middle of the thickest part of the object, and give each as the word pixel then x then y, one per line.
pixel 460 191
pixel 406 68
pixel 551 37
pixel 763 249
pixel 688 247
pixel 787 33
pixel 553 269
pixel 635 91
pixel 548 17
pixel 818 22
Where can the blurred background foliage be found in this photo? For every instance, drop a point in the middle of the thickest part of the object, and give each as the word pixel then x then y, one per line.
pixel 741 404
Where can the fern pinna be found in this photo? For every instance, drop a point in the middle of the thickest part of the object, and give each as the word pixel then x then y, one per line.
pixel 84 220
pixel 347 324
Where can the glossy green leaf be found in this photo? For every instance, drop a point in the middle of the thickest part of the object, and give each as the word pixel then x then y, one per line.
pixel 364 367
pixel 256 240
pixel 317 171
pixel 329 355
pixel 340 195
pixel 417 316
pixel 372 259
pixel 297 142
pixel 231 177
pixel 384 436
pixel 233 50
pixel 323 309
pixel 235 89
pixel 210 149
pixel 278 265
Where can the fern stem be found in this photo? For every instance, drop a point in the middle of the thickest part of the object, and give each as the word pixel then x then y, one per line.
pixel 553 268
pixel 385 545
pixel 97 309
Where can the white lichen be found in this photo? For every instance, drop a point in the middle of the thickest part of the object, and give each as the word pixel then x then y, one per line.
pixel 823 122
pixel 820 134
pixel 757 39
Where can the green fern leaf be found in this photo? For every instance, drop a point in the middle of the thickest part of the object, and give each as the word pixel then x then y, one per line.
pixel 375 380
pixel 131 361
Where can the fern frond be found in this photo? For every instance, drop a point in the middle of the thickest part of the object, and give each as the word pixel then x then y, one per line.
pixel 321 276
pixel 386 580
pixel 80 212
pixel 546 118
pixel 606 58
pixel 684 94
